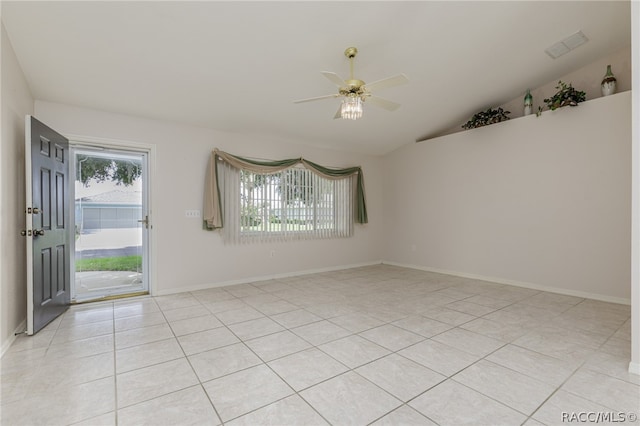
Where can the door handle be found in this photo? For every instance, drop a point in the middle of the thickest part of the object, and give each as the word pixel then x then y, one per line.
pixel 35 232
pixel 145 221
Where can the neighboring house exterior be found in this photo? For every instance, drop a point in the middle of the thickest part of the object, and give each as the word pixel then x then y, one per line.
pixel 113 209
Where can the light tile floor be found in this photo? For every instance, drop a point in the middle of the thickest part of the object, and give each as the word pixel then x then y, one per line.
pixel 374 345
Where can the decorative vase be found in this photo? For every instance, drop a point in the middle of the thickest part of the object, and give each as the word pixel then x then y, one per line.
pixel 528 103
pixel 609 83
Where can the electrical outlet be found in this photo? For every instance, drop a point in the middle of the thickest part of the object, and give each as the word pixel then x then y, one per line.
pixel 192 213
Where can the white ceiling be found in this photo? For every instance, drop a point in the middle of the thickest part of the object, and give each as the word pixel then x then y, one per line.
pixel 237 66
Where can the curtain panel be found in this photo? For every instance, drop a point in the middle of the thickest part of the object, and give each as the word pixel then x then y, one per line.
pixel 212 212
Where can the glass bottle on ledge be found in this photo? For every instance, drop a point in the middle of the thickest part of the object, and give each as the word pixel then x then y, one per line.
pixel 528 103
pixel 609 83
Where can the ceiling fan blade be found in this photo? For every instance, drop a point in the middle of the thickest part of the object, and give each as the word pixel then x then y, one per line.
pixel 316 98
pixel 383 103
pixel 334 78
pixel 396 80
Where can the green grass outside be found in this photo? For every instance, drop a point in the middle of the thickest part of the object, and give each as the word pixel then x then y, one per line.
pixel 117 263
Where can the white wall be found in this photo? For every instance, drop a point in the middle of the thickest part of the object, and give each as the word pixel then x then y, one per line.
pixel 16 103
pixel 188 257
pixel 538 201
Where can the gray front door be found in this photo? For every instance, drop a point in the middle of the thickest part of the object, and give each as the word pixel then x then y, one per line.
pixel 47 231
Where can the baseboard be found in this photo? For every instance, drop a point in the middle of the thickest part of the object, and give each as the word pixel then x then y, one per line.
pixel 559 290
pixel 19 329
pixel 165 292
pixel 634 368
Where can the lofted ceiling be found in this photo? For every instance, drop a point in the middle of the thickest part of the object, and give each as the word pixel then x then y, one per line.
pixel 238 66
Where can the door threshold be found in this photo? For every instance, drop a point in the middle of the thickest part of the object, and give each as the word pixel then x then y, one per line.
pixel 107 298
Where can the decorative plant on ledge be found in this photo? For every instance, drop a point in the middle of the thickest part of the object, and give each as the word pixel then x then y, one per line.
pixel 566 95
pixel 484 118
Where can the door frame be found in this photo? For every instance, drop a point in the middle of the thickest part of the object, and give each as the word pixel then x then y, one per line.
pixel 29 225
pixel 79 142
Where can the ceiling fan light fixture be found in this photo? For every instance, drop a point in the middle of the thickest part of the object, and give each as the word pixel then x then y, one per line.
pixel 351 108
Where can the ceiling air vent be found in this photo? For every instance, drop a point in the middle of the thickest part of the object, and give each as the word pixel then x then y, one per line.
pixel 566 45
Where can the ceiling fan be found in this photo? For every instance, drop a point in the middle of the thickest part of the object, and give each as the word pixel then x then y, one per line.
pixel 355 92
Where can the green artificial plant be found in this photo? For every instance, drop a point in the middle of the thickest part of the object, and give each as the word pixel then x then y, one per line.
pixel 484 118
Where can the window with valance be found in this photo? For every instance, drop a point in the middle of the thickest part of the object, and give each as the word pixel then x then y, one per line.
pixel 253 200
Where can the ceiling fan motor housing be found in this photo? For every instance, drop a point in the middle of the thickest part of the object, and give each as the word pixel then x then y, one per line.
pixel 353 86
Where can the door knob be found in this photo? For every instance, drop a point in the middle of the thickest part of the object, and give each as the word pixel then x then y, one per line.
pixel 37 232
pixel 25 233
